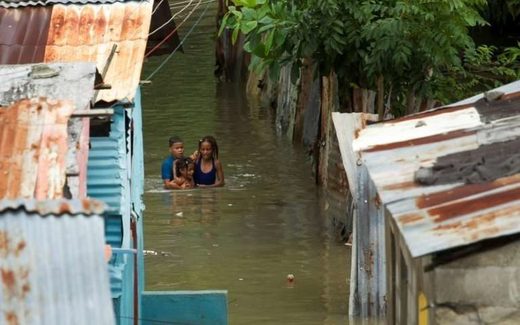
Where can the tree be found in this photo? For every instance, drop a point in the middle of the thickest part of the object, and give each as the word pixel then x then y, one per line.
pixel 404 49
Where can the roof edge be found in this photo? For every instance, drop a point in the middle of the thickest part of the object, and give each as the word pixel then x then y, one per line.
pixel 54 207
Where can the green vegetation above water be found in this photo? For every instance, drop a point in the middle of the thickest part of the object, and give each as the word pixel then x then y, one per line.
pixel 403 49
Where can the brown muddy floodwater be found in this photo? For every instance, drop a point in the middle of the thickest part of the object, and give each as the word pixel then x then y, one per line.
pixel 266 223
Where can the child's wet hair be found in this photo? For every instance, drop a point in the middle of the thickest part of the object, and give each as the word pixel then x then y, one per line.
pixel 174 139
pixel 182 163
pixel 211 140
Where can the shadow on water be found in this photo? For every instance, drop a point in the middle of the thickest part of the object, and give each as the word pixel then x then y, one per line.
pixel 266 223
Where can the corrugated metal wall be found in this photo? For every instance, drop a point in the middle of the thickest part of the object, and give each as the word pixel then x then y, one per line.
pixel 51 264
pixel 108 182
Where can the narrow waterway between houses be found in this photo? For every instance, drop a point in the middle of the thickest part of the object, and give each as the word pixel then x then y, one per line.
pixel 267 222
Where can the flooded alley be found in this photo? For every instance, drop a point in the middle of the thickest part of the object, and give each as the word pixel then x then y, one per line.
pixel 269 220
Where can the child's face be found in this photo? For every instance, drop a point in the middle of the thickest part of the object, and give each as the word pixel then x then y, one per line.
pixel 206 150
pixel 177 149
pixel 187 172
pixel 190 171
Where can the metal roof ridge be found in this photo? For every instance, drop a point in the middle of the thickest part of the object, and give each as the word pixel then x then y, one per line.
pixel 54 207
pixel 18 4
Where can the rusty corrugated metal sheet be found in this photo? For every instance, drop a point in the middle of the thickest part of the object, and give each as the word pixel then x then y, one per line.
pixel 52 269
pixel 61 81
pixel 18 4
pixel 33 145
pixel 409 161
pixel 81 32
pixel 54 207
pixel 23 35
pixel 88 33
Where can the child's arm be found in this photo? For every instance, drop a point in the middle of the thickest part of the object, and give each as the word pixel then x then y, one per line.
pixel 220 174
pixel 170 185
pixel 195 155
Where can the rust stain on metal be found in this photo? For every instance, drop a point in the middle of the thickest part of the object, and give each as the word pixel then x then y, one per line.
pixel 442 228
pixel 86 204
pixel 427 201
pixel 399 186
pixel 482 226
pixel 80 32
pixel 509 96
pixel 33 146
pixel 8 280
pixel 19 248
pixel 435 112
pixel 409 218
pixel 356 133
pixel 24 34
pixel 64 208
pixel 85 33
pixel 11 318
pixel 4 244
pixel 421 141
pixel 452 210
pixel 377 200
pixel 14 278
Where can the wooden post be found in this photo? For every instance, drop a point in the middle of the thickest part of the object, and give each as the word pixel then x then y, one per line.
pixel 380 97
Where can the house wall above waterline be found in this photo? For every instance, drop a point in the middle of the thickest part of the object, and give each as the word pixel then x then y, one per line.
pixel 440 179
pixel 449 177
pixel 46 90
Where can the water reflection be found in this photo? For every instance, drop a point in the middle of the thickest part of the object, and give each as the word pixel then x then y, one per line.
pixel 266 223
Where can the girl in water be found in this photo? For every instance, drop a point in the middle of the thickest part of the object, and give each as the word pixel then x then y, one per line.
pixel 208 169
pixel 184 169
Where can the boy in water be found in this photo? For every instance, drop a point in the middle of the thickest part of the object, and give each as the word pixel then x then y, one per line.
pixel 176 146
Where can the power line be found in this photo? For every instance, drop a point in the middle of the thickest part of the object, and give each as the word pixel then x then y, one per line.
pixel 178 46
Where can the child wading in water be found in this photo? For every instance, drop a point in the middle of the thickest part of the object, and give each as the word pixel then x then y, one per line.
pixel 184 168
pixel 208 169
pixel 176 148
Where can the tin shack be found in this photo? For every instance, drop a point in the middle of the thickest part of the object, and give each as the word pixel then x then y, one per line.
pixel 437 212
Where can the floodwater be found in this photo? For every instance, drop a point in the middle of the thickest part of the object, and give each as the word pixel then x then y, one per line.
pixel 266 223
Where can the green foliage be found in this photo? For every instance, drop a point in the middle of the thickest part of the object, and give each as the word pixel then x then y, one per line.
pixel 421 45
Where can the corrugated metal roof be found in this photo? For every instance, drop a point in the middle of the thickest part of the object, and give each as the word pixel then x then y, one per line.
pixel 83 32
pixel 466 206
pixel 33 145
pixel 19 3
pixel 52 269
pixel 54 207
pixel 60 81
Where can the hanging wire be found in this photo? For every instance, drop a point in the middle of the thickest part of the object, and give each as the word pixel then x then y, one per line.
pixel 173 16
pixel 174 6
pixel 178 46
pixel 172 32
pixel 157 7
pixel 204 2
pixel 179 3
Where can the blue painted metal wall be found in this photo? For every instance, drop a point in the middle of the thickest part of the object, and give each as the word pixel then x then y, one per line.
pixel 108 180
pixel 185 307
